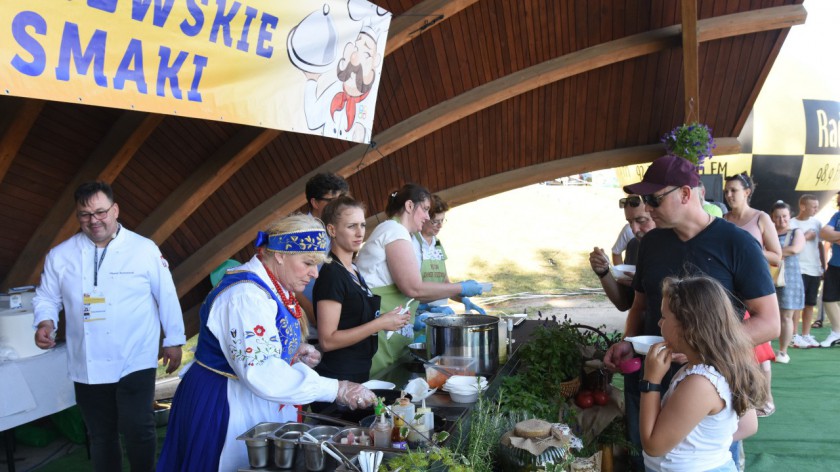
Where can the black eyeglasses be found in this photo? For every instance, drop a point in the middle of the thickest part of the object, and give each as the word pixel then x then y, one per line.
pixel 99 215
pixel 633 200
pixel 656 200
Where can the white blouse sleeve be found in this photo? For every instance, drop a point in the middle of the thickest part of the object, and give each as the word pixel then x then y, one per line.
pixel 242 319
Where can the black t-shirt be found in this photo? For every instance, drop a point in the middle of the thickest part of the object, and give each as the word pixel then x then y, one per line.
pixel 722 251
pixel 357 308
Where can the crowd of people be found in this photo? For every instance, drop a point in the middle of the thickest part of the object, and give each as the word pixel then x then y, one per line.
pixel 705 283
pixel 687 256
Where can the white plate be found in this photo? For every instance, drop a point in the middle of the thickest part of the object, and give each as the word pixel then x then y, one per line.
pixel 379 385
pixel 486 287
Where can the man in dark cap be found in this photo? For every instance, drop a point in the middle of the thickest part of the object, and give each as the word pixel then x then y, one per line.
pixel 689 241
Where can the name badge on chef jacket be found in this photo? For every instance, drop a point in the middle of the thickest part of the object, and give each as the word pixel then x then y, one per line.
pixel 94 306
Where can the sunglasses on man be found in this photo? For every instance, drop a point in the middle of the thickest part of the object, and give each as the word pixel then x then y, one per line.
pixel 655 200
pixel 633 201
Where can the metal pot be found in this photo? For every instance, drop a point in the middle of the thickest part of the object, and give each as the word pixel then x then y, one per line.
pixel 473 336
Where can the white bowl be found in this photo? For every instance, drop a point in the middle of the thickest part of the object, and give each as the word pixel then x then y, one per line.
pixel 642 344
pixel 486 287
pixel 619 270
pixel 379 385
pixel 463 397
pixel 465 380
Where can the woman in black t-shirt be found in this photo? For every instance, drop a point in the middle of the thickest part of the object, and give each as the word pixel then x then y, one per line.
pixel 346 310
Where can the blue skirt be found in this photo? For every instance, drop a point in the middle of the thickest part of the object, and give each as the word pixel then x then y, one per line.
pixel 198 423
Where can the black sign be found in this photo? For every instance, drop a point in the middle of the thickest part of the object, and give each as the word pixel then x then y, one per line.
pixel 822 119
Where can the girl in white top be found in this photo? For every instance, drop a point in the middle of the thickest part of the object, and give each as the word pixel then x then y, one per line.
pixel 711 400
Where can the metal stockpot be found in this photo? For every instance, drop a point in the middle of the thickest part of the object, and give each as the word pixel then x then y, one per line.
pixel 473 336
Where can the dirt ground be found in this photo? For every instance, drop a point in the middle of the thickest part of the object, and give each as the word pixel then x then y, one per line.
pixel 535 242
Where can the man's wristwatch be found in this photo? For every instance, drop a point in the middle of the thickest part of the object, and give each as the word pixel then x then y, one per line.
pixel 601 275
pixel 645 386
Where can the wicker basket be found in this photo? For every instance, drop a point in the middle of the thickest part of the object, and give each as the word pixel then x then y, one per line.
pixel 570 387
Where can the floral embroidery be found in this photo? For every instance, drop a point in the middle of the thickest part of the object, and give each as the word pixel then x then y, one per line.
pixel 255 350
pixel 259 330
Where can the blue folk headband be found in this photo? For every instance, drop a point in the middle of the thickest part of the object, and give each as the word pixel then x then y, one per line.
pixel 294 242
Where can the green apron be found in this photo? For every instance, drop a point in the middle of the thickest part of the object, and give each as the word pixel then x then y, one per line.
pixel 390 350
pixel 431 270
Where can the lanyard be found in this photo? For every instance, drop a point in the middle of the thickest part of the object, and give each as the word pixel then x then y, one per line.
pixel 96 265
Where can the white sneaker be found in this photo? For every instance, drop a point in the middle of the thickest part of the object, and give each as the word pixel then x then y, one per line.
pixel 800 342
pixel 832 338
pixel 782 357
pixel 811 340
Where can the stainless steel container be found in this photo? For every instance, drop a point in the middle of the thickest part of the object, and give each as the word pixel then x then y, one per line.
pixel 474 336
pixel 314 458
pixel 285 449
pixel 257 442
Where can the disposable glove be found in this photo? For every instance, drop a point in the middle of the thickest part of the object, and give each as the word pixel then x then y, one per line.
pixel 470 288
pixel 309 355
pixel 354 396
pixel 469 306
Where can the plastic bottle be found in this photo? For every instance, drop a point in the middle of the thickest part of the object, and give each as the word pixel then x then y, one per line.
pixel 382 432
pixel 428 418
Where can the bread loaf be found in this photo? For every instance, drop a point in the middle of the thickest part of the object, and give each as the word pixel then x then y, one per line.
pixel 532 428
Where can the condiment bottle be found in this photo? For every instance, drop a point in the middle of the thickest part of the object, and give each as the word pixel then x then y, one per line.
pixel 417 437
pixel 382 432
pixel 428 417
pixel 398 439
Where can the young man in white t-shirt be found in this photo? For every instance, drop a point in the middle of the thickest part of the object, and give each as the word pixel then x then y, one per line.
pixel 812 264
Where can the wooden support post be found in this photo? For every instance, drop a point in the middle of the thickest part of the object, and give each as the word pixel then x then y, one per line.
pixel 691 68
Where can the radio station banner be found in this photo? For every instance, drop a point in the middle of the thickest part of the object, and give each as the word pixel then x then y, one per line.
pixel 305 66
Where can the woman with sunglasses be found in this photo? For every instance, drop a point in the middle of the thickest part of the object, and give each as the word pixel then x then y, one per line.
pixel 433 267
pixel 738 191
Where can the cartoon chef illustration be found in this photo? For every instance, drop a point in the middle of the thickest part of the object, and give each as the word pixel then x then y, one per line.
pixel 342 109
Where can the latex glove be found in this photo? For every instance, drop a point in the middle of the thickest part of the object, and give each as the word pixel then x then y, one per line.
pixel 354 396
pixel 420 321
pixel 470 288
pixel 441 310
pixel 308 355
pixel 469 306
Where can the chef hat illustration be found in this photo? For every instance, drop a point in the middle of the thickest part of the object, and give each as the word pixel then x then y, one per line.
pixel 374 18
pixel 360 9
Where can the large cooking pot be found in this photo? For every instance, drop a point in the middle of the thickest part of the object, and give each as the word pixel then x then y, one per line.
pixel 473 336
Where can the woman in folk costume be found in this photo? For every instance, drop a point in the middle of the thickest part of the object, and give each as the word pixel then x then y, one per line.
pixel 252 363
pixel 391 266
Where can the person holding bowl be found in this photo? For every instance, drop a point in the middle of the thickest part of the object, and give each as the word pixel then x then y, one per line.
pixel 252 364
pixel 391 267
pixel 345 307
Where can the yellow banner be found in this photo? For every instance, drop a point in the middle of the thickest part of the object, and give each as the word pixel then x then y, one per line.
pixel 305 66
pixel 725 165
pixel 820 172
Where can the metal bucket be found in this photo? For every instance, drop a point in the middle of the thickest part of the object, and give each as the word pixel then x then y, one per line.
pixel 473 336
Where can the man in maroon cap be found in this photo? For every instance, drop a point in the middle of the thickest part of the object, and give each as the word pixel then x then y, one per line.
pixel 689 241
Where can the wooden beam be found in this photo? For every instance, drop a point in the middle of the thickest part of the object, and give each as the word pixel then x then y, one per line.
pixel 756 21
pixel 202 183
pixel 17 115
pixel 240 149
pixel 238 235
pixel 105 163
pixel 421 18
pixel 494 184
pixel 691 68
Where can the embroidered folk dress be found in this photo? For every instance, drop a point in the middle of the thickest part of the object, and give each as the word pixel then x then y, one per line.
pixel 242 375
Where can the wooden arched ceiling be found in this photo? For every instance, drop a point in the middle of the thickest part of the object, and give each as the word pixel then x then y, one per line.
pixel 475 96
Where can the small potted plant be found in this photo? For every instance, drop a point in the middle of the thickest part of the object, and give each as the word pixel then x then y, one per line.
pixel 693 142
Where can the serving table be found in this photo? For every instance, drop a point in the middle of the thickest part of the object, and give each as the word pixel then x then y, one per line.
pixel 33 388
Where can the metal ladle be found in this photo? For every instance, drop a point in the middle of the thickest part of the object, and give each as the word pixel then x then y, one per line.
pixel 427 363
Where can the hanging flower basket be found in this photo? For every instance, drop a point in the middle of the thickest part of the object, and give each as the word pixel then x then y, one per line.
pixel 693 142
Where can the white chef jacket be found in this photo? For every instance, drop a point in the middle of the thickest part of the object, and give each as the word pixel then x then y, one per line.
pixel 139 296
